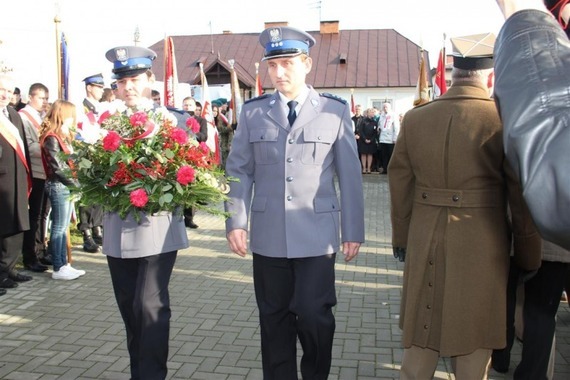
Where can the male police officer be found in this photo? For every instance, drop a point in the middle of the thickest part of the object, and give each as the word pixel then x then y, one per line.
pixel 91 217
pixel 141 256
pixel 288 148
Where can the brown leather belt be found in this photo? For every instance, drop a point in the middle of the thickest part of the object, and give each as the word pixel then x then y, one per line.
pixel 459 198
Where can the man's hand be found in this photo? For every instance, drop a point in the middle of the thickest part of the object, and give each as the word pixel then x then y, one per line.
pixel 399 253
pixel 350 250
pixel 237 240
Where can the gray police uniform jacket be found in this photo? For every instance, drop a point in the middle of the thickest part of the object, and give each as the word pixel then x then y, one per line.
pixel 155 234
pixel 287 177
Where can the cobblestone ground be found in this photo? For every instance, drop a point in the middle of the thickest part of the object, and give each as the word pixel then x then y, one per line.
pixel 72 330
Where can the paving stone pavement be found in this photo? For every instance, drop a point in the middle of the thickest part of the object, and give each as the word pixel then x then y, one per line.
pixel 72 330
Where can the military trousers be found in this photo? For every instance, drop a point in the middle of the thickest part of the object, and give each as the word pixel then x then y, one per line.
pixel 295 299
pixel 141 290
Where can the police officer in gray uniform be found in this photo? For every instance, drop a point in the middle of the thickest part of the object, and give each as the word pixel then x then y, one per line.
pixel 289 151
pixel 141 255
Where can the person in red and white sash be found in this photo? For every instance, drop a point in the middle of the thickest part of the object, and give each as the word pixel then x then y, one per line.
pixel 15 183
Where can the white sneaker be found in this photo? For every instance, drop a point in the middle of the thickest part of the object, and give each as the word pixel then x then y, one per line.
pixel 64 273
pixel 78 271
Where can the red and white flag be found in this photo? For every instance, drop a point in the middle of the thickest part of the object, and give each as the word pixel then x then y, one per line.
pixel 170 75
pixel 440 86
pixel 235 102
pixel 212 141
pixel 258 88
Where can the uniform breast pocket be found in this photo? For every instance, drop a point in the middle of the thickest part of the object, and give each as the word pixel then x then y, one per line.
pixel 317 145
pixel 265 148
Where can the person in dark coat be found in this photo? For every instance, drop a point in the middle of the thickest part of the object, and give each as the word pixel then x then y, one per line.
pixel 15 183
pixel 366 139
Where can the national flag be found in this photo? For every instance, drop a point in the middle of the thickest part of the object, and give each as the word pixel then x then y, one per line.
pixel 213 139
pixel 64 66
pixel 352 105
pixel 235 103
pixel 422 91
pixel 440 86
pixel 258 88
pixel 170 74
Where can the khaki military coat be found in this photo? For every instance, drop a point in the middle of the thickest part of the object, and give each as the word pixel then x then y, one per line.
pixel 450 186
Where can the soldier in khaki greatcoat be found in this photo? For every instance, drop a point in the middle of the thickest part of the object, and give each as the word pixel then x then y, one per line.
pixel 450 187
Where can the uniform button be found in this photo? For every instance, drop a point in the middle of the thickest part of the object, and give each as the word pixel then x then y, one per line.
pixel 428 307
pixel 430 262
pixel 424 195
pixel 455 198
pixel 289 159
pixel 426 327
pixel 318 138
pixel 430 284
pixel 289 179
pixel 291 141
pixel 262 137
pixel 289 198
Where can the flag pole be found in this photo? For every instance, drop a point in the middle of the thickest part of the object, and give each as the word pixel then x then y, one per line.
pixel 57 21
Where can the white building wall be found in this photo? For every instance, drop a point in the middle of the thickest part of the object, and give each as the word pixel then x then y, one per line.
pixel 402 98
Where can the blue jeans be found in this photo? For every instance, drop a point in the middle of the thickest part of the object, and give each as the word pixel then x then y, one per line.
pixel 61 205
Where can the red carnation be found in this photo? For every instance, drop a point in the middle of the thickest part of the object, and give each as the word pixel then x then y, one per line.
pixel 204 147
pixel 112 141
pixel 138 119
pixel 179 136
pixel 185 175
pixel 138 198
pixel 104 116
pixel 193 125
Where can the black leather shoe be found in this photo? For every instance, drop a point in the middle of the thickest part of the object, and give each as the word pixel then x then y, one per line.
pixel 190 224
pixel 19 277
pixel 36 267
pixel 89 245
pixel 2 291
pixel 46 259
pixel 98 235
pixel 7 283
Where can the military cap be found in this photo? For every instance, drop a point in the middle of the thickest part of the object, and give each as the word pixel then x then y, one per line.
pixel 96 79
pixel 474 52
pixel 285 41
pixel 130 61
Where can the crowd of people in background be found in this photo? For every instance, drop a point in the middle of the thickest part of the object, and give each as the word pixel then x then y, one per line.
pixel 376 133
pixel 47 240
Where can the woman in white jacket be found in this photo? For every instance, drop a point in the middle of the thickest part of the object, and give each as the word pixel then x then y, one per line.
pixel 388 130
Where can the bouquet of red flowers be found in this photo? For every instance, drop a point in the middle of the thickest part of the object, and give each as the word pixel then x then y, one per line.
pixel 138 160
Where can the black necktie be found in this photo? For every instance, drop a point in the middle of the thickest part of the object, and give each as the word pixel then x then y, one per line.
pixel 292 114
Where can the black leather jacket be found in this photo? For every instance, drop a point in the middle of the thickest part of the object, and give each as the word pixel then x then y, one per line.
pixel 532 91
pixel 54 164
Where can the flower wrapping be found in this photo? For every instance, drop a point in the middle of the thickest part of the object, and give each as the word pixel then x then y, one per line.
pixel 136 160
